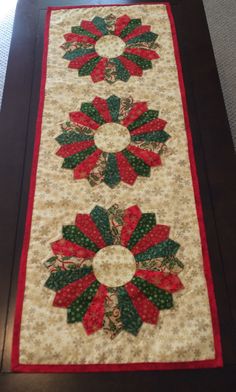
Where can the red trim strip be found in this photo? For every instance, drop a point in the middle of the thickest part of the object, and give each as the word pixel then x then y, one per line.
pixel 16 366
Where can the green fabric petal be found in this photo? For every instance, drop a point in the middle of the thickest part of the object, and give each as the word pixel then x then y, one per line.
pixel 145 118
pixel 79 307
pixel 77 53
pixel 163 249
pixel 156 136
pixel 140 167
pixel 140 61
pixel 72 137
pixel 121 72
pixel 145 224
pixel 129 316
pixel 113 103
pixel 60 279
pixel 100 24
pixel 73 234
pixel 130 27
pixel 87 68
pixel 79 30
pixel 145 37
pixel 92 112
pixel 160 298
pixel 72 161
pixel 111 177
pixel 100 217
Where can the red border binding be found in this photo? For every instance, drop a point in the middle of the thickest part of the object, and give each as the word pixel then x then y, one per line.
pixel 31 368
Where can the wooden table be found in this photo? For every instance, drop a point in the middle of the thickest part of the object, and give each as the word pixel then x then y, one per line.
pixel 216 167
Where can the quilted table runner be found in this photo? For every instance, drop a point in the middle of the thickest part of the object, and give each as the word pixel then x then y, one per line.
pixel 115 272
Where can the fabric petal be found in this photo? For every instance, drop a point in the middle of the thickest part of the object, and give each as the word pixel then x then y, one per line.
pixel 85 224
pixel 131 218
pixel 131 67
pixel 121 71
pixel 127 173
pixel 83 119
pixel 83 169
pixel 68 294
pixel 146 53
pixel 73 160
pixel 78 62
pixel 58 280
pixel 70 149
pixel 140 167
pixel 71 37
pixel 111 174
pixel 130 27
pixel 163 249
pixel 89 26
pixel 87 68
pixel 140 61
pixel 67 248
pixel 98 72
pixel 145 308
pixel 100 218
pixel 93 318
pixel 159 297
pixel 155 136
pixel 135 112
pixel 84 30
pixel 157 234
pixel 130 318
pixel 79 307
pixel 89 109
pixel 149 157
pixel 154 125
pixel 73 234
pixel 166 281
pixel 121 23
pixel 101 105
pixel 142 119
pixel 145 224
pixel 137 31
pixel 113 103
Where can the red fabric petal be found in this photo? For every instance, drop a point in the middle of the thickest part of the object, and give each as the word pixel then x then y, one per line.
pixel 133 68
pixel 71 37
pixel 158 233
pixel 146 309
pixel 93 318
pixel 138 31
pixel 83 169
pixel 82 119
pixel 99 71
pixel 69 149
pixel 68 294
pixel 67 248
pixel 149 157
pixel 85 223
pixel 89 26
pixel 165 281
pixel 127 173
pixel 131 218
pixel 102 107
pixel 155 125
pixel 121 23
pixel 136 111
pixel 145 53
pixel 78 62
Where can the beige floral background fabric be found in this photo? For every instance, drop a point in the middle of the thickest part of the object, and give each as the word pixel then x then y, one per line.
pixel 183 333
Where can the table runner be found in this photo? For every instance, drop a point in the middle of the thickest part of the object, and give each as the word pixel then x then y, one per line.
pixel 115 272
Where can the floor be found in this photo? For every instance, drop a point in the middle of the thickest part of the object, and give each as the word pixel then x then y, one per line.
pixel 221 17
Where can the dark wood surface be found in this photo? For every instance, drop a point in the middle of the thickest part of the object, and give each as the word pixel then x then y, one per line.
pixel 216 166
